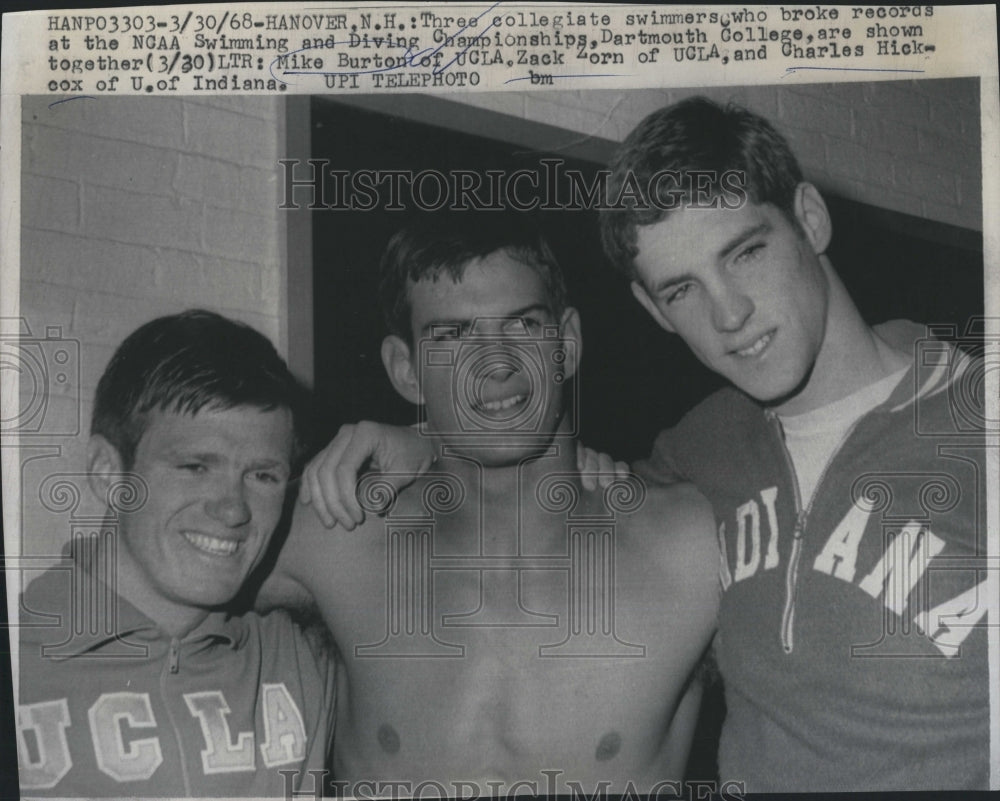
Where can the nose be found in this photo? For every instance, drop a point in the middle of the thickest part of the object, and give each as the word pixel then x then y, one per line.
pixel 731 308
pixel 500 359
pixel 228 504
pixel 499 373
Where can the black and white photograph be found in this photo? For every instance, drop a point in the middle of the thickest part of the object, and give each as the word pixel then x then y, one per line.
pixel 522 438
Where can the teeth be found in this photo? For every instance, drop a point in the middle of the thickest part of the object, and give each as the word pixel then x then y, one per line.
pixel 496 406
pixel 756 347
pixel 212 545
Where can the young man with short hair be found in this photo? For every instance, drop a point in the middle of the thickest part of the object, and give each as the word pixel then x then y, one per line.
pixel 499 625
pixel 845 465
pixel 851 638
pixel 135 678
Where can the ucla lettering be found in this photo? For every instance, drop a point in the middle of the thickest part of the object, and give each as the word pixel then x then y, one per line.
pixel 115 720
pixel 220 754
pixel 284 730
pixel 47 722
pixel 140 759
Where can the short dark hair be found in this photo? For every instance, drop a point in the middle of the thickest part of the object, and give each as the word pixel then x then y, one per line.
pixel 187 362
pixel 693 136
pixel 448 244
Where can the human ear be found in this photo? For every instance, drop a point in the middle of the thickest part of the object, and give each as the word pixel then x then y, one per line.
pixel 813 217
pixel 397 357
pixel 569 329
pixel 647 303
pixel 104 466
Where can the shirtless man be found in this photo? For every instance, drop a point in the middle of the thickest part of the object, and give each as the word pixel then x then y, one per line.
pixel 500 625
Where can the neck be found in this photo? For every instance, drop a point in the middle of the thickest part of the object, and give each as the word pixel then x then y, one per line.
pixel 517 477
pixel 851 357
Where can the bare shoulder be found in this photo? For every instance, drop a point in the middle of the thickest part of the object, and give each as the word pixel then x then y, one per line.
pixel 673 530
pixel 682 502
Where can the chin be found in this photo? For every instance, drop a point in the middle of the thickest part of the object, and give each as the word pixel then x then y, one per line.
pixel 505 454
pixel 210 600
pixel 764 394
pixel 209 597
pixel 776 391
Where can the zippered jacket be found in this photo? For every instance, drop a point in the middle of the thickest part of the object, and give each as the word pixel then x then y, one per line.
pixel 852 636
pixel 112 706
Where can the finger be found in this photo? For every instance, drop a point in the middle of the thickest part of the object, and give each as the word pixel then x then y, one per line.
pixel 347 510
pixel 305 495
pixel 591 467
pixel 359 450
pixel 320 473
pixel 622 470
pixel 335 503
pixel 319 504
pixel 337 507
pixel 588 476
pixel 581 456
pixel 333 495
pixel 307 484
pixel 606 470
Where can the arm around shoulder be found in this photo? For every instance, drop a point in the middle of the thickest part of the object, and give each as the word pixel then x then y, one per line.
pixel 287 583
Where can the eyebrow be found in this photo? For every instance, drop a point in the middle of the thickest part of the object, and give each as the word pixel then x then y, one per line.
pixel 181 454
pixel 522 312
pixel 731 245
pixel 214 458
pixel 271 464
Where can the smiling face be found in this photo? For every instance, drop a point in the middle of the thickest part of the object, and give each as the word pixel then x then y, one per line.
pixel 744 288
pixel 216 484
pixel 490 357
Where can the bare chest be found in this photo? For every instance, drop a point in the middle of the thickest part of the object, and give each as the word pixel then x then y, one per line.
pixel 505 658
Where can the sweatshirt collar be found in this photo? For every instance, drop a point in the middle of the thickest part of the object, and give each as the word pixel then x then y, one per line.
pixel 127 621
pixel 936 363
